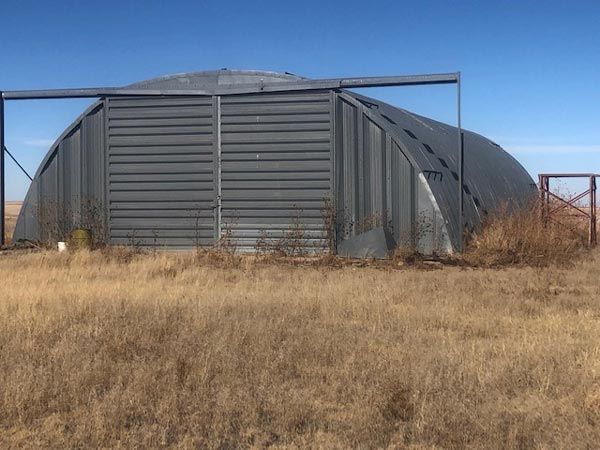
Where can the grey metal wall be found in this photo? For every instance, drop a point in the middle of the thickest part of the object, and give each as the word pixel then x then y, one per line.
pixel 161 171
pixel 180 172
pixel 93 177
pixel 69 180
pixel 190 171
pixel 68 188
pixel 377 185
pixel 276 167
pixel 492 176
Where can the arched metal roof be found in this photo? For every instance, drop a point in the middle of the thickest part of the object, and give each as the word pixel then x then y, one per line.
pixel 491 175
pixel 211 79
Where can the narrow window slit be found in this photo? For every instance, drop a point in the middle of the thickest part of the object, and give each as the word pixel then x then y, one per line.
pixel 388 119
pixel 410 133
pixel 429 149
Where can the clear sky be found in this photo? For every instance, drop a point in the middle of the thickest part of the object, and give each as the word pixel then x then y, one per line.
pixel 531 69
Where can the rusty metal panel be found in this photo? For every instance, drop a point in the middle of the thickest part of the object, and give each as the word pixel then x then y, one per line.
pixel 275 169
pixel 161 171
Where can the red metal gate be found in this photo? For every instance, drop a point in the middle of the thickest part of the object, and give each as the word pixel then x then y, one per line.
pixel 553 203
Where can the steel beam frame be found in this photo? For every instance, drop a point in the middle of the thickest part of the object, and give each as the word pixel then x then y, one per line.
pixel 2 172
pixel 248 88
pixel 233 89
pixel 546 195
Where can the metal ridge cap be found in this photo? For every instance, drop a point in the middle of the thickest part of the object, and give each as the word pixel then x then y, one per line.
pixel 242 88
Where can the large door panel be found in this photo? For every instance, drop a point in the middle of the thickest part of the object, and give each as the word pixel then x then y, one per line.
pixel 276 165
pixel 161 171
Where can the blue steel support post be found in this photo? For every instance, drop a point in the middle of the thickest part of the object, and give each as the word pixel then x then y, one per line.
pixel 460 169
pixel 2 179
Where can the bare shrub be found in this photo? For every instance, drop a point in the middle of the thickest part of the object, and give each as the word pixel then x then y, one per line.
pixel 329 216
pixel 294 241
pixel 93 218
pixel 54 223
pixel 227 242
pixel 523 236
pixel 57 220
pixel 405 255
pixel 374 220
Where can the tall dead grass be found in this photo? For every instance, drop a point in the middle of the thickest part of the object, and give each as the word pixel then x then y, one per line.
pixel 12 213
pixel 125 349
pixel 524 237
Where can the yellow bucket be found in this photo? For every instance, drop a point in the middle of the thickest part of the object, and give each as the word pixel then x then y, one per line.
pixel 81 238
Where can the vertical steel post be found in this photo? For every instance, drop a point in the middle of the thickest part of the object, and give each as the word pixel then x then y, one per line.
pixel 2 178
pixel 593 236
pixel 542 189
pixel 547 197
pixel 219 172
pixel 461 223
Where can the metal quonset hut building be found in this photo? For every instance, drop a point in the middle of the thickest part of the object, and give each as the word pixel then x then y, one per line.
pixel 182 171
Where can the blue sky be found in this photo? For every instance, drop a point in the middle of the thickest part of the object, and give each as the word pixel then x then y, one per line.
pixel 531 69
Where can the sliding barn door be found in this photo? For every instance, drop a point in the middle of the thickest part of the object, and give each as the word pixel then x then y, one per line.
pixel 161 171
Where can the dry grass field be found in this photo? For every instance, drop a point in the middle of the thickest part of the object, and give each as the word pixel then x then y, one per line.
pixel 118 349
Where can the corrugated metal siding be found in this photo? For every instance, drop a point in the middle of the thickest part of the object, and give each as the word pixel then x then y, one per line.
pixel 48 208
pixel 401 182
pixel 27 226
pixel 69 181
pixel 373 168
pixel 376 182
pixel 93 185
pixel 276 167
pixel 161 171
pixel 347 161
pixel 491 175
pixel 71 173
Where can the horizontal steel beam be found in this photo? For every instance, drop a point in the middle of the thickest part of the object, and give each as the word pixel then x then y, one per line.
pixel 92 93
pixel 569 175
pixel 232 89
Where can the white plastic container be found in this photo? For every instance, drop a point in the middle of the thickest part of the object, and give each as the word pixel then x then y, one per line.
pixel 62 246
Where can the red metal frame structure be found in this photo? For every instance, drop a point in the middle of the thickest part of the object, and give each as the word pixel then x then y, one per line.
pixel 548 211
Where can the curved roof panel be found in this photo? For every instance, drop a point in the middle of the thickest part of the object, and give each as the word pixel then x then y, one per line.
pixel 491 175
pixel 209 80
